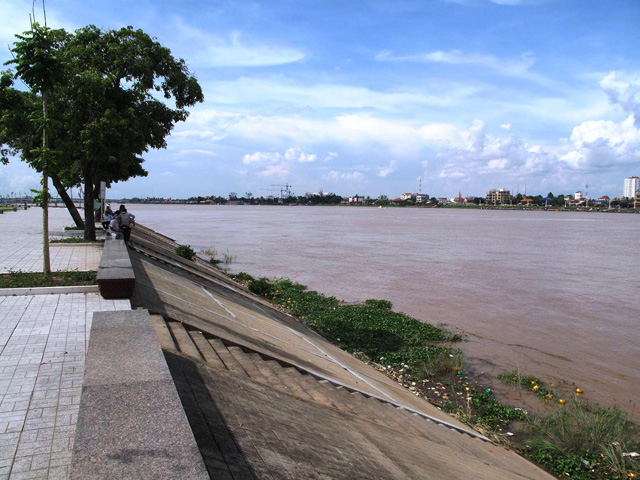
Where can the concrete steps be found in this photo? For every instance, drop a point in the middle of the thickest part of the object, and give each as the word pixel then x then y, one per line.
pixel 286 379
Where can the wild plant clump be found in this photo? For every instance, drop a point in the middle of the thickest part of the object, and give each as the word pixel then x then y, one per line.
pixel 185 251
pixel 585 442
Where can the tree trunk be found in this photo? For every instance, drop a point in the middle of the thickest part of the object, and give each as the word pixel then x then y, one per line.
pixel 89 218
pixel 73 211
pixel 46 261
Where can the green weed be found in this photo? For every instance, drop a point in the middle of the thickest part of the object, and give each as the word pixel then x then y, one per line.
pixel 185 251
pixel 19 279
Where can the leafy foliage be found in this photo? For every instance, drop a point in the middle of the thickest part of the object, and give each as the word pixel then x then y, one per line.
pixel 103 114
pixel 185 251
pixel 243 277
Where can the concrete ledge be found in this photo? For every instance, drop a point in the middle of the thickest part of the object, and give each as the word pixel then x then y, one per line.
pixel 131 422
pixel 7 292
pixel 115 274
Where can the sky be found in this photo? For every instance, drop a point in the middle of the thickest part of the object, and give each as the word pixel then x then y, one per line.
pixel 383 97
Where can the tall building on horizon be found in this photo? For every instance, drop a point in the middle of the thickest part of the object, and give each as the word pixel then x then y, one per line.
pixel 631 185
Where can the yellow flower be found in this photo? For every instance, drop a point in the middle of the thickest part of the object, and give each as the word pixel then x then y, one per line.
pixel 578 391
pixel 562 401
pixel 549 396
pixel 535 388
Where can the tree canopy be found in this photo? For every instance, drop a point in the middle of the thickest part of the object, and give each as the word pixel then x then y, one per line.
pixel 115 95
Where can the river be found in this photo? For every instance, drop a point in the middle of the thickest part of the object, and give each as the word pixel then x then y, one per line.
pixel 555 293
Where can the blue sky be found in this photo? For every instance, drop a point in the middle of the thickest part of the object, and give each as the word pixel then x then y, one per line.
pixel 369 97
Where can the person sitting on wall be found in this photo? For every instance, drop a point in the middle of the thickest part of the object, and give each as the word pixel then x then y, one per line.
pixel 108 216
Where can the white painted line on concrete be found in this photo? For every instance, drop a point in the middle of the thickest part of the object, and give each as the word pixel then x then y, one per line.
pixel 219 303
pixel 388 399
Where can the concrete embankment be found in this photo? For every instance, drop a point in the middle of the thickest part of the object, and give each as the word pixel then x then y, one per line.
pixel 284 398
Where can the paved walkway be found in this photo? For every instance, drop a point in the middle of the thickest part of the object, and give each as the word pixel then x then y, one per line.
pixel 21 240
pixel 43 341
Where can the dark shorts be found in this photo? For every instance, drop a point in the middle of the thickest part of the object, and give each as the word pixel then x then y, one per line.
pixel 126 232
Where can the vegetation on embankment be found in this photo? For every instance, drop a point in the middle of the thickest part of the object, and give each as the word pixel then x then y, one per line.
pixel 575 440
pixel 21 279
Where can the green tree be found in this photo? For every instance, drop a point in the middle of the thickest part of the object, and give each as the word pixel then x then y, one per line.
pixel 38 64
pixel 19 135
pixel 107 108
pixel 115 117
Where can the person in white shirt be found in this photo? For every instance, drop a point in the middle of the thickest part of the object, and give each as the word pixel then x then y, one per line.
pixel 126 220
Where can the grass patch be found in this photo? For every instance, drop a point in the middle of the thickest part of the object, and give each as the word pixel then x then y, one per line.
pixel 21 279
pixel 585 442
pixel 74 240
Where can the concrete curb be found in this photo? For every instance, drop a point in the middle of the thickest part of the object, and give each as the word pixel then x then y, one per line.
pixel 7 292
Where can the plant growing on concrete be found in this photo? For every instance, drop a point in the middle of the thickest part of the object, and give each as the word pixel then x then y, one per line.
pixel 185 251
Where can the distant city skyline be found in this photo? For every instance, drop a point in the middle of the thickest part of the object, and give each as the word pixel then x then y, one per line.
pixel 467 95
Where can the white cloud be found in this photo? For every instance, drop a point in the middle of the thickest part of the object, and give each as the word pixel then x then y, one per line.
pixel 281 91
pixel 350 177
pixel 330 156
pixel 201 134
pixel 290 155
pixel 498 164
pixel 624 94
pixel 519 68
pixel 297 155
pixel 167 174
pixel 275 171
pixel 196 151
pixel 261 158
pixel 506 126
pixel 388 170
pixel 603 144
pixel 232 51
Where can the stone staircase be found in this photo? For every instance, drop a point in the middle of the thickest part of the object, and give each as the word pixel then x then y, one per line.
pixel 294 382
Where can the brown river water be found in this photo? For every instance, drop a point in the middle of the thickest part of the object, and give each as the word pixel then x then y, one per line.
pixel 555 293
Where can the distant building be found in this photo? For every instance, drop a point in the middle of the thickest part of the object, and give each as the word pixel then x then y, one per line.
pixel 443 200
pixel 421 197
pixel 356 199
pixel 406 196
pixel 631 186
pixel 498 197
pixel 603 200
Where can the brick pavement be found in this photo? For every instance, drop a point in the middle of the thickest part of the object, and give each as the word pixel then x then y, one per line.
pixel 21 240
pixel 43 341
